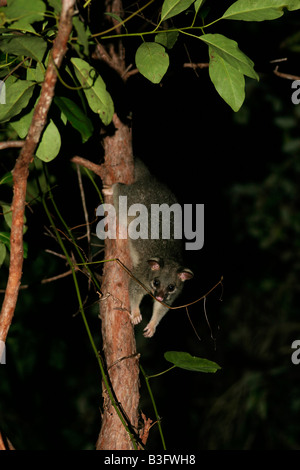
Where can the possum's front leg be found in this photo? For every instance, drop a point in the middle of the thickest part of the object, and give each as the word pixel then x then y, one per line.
pixel 136 293
pixel 159 312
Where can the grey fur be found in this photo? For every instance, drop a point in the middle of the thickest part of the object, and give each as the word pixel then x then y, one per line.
pixel 157 263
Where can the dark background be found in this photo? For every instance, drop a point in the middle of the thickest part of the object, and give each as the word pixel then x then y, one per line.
pixel 245 168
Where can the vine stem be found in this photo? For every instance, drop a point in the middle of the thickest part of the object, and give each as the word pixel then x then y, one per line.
pixel 155 31
pixel 121 23
pixel 161 373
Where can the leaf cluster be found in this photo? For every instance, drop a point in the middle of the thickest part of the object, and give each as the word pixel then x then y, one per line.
pixel 228 65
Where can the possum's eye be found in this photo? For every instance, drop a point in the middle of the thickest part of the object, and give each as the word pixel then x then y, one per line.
pixel 171 287
pixel 156 283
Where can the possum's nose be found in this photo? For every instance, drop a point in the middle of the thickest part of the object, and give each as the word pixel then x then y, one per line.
pixel 159 295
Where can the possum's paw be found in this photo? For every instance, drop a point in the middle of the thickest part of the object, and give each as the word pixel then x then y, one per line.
pixel 149 330
pixel 136 317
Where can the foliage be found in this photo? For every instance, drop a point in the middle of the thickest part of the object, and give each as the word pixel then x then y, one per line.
pixel 188 362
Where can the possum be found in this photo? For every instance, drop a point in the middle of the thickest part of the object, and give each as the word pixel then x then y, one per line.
pixel 155 251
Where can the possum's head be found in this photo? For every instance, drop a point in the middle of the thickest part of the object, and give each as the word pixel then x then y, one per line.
pixel 166 278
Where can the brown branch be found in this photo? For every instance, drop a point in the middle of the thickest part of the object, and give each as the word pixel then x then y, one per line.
pixel 113 56
pixel 48 279
pixel 111 59
pixel 21 169
pixel 97 169
pixel 285 75
pixel 11 143
pixel 129 73
pixel 102 54
pixel 200 65
pixel 58 276
pixel 283 59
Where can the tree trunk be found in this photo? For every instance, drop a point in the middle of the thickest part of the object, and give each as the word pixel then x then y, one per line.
pixel 117 331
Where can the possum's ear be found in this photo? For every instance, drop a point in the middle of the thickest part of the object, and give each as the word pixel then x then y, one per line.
pixel 185 274
pixel 155 264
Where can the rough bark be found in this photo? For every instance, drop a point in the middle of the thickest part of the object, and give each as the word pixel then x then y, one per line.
pixel 117 331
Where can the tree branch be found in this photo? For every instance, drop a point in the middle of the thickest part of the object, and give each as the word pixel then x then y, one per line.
pixel 88 164
pixel 288 76
pixel 11 144
pixel 21 169
pixel 200 65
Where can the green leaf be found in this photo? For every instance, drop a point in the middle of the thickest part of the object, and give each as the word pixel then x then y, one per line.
pixel 18 94
pixel 293 5
pixel 167 39
pixel 185 361
pixel 229 51
pixel 36 74
pixel 172 8
pixel 77 118
pixel 25 250
pixel 2 253
pixel 228 81
pixel 56 5
pixel 152 61
pixel 7 214
pixel 198 4
pixel 95 91
pixel 5 238
pixel 50 143
pixel 22 13
pixel 82 34
pixel 29 46
pixel 259 10
pixel 7 178
pixel 114 16
pixel 22 125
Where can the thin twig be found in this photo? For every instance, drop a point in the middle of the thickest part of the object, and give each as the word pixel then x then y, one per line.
pixel 86 217
pixel 285 75
pixel 47 280
pixel 200 65
pixel 11 144
pixel 55 254
pixel 195 331
pixel 283 59
pixel 88 164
